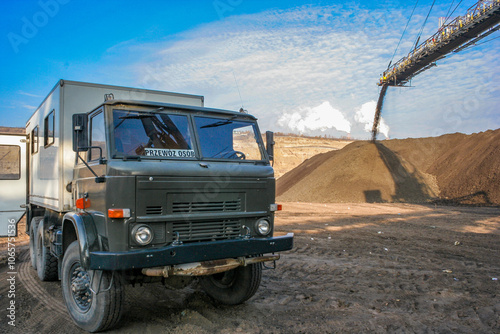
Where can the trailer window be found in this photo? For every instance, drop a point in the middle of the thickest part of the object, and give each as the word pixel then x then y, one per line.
pixel 10 162
pixel 156 135
pixel 97 136
pixel 228 139
pixel 34 140
pixel 48 131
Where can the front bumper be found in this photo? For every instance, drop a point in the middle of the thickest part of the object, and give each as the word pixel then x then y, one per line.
pixel 188 253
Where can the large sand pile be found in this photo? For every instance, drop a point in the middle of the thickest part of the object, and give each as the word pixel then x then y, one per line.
pixel 456 168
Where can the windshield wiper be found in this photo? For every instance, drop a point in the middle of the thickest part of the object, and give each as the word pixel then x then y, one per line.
pixel 155 111
pixel 144 115
pixel 216 124
pixel 123 118
pixel 147 113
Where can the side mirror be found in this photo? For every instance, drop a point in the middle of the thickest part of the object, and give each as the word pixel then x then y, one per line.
pixel 80 133
pixel 270 144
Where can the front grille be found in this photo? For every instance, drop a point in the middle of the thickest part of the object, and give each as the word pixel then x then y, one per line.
pixel 207 231
pixel 153 210
pixel 220 206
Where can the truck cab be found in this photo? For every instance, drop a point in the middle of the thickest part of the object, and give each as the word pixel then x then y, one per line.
pixel 159 178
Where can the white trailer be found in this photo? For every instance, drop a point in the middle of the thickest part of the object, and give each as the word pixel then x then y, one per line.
pixel 12 181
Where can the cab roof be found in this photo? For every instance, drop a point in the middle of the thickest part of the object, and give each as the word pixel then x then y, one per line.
pixel 159 105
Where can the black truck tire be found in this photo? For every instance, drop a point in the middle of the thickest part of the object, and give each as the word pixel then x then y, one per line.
pixel 234 286
pixel 90 311
pixel 33 229
pixel 46 263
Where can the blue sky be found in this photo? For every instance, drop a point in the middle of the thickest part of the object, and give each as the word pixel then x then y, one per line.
pixel 300 66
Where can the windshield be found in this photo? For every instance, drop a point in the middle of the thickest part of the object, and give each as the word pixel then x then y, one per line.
pixel 167 135
pixel 152 134
pixel 228 139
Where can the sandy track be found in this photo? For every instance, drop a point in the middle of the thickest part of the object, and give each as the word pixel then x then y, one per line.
pixel 355 268
pixel 34 287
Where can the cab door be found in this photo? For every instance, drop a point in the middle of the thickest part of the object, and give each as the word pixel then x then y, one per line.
pixel 12 182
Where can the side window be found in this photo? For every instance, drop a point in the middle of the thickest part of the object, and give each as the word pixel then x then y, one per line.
pixel 97 136
pixel 10 162
pixel 48 131
pixel 34 140
pixel 245 141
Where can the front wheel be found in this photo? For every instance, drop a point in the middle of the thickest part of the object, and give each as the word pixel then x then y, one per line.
pixel 234 286
pixel 90 311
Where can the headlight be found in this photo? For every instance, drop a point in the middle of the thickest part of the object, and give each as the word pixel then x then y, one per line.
pixel 142 235
pixel 263 226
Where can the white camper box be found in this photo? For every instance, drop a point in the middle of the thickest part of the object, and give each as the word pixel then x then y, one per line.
pixel 12 181
pixel 50 132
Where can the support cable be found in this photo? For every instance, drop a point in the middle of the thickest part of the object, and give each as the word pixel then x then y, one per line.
pixel 423 25
pixel 402 35
pixel 449 16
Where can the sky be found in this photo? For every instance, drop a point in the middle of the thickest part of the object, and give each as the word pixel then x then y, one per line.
pixel 304 67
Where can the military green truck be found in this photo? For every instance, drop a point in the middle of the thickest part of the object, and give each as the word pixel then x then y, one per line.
pixel 130 185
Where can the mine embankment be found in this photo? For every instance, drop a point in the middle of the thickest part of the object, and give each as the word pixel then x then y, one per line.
pixel 453 168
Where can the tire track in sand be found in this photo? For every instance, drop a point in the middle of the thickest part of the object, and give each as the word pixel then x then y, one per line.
pixel 33 286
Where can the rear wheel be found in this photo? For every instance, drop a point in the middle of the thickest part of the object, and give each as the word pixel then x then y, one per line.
pixel 234 286
pixel 46 263
pixel 33 229
pixel 90 311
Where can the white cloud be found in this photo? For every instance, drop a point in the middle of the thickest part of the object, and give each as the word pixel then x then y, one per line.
pixel 281 60
pixel 366 114
pixel 27 106
pixel 285 60
pixel 322 118
pixel 29 94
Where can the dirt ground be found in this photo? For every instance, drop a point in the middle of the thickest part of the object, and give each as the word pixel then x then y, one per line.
pixel 354 268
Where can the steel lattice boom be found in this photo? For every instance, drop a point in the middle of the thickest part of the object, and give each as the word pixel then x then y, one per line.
pixel 481 20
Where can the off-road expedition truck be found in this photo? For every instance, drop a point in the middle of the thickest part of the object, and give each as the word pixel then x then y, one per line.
pixel 130 185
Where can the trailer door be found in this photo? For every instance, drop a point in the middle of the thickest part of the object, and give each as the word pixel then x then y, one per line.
pixel 12 182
